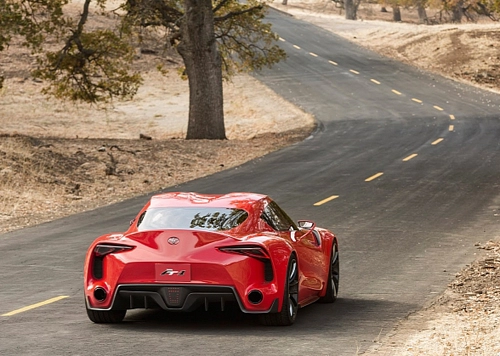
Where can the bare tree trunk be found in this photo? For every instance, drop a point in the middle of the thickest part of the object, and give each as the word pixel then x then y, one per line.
pixel 198 49
pixel 457 12
pixel 422 14
pixel 351 9
pixel 396 14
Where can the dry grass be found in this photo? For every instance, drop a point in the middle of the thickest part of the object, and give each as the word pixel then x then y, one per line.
pixel 48 147
pixel 159 110
pixel 58 158
pixel 47 177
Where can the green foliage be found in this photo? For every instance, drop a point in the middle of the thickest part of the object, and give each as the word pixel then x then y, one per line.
pixel 91 67
pixel 471 9
pixel 494 5
pixel 402 3
pixel 31 19
pixel 489 8
pixel 246 43
pixel 9 16
pixel 95 65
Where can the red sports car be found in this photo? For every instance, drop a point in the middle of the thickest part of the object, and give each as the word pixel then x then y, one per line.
pixel 187 250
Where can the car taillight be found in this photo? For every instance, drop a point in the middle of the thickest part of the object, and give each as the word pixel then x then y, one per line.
pixel 250 251
pixel 102 250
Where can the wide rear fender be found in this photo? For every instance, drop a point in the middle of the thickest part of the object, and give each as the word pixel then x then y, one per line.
pixel 280 251
pixel 114 237
pixel 327 241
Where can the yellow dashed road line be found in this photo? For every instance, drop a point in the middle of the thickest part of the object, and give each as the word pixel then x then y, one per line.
pixel 37 305
pixel 375 176
pixel 410 157
pixel 369 179
pixel 321 202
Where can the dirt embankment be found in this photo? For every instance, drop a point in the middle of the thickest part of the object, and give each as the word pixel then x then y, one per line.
pixel 58 158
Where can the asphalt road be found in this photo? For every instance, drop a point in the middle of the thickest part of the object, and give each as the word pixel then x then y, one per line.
pixel 409 161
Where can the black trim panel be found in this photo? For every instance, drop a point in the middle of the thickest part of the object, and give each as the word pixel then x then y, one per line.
pixel 176 297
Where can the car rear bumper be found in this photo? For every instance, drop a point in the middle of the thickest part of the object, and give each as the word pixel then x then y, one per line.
pixel 177 297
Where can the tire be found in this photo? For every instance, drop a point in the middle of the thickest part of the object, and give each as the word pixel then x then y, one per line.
pixel 288 312
pixel 106 316
pixel 332 287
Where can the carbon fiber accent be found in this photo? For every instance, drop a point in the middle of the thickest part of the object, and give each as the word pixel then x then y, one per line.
pixel 268 271
pixel 171 297
pixel 97 267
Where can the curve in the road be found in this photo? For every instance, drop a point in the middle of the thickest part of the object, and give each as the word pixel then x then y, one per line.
pixel 330 60
pixel 403 189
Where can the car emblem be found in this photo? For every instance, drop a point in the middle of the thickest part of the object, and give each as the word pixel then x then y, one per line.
pixel 173 240
pixel 171 272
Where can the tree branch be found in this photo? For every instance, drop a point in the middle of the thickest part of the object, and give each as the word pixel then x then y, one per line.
pixel 237 13
pixel 220 5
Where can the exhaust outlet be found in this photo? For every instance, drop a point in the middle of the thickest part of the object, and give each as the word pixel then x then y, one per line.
pixel 100 294
pixel 255 296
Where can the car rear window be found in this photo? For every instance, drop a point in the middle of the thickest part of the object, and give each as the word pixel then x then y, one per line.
pixel 208 219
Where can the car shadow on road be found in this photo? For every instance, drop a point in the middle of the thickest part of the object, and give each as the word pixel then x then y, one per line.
pixel 345 316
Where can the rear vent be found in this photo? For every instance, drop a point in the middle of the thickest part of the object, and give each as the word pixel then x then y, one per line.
pixel 268 271
pixel 97 267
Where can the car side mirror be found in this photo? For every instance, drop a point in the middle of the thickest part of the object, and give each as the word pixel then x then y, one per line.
pixel 306 224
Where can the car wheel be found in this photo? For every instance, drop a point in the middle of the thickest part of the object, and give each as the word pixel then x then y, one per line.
pixel 106 316
pixel 332 287
pixel 290 306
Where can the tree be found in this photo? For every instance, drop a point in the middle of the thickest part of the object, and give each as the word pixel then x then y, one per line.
pixel 215 39
pixel 422 14
pixel 351 9
pixel 198 49
pixel 25 18
pixel 396 13
pixel 457 11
